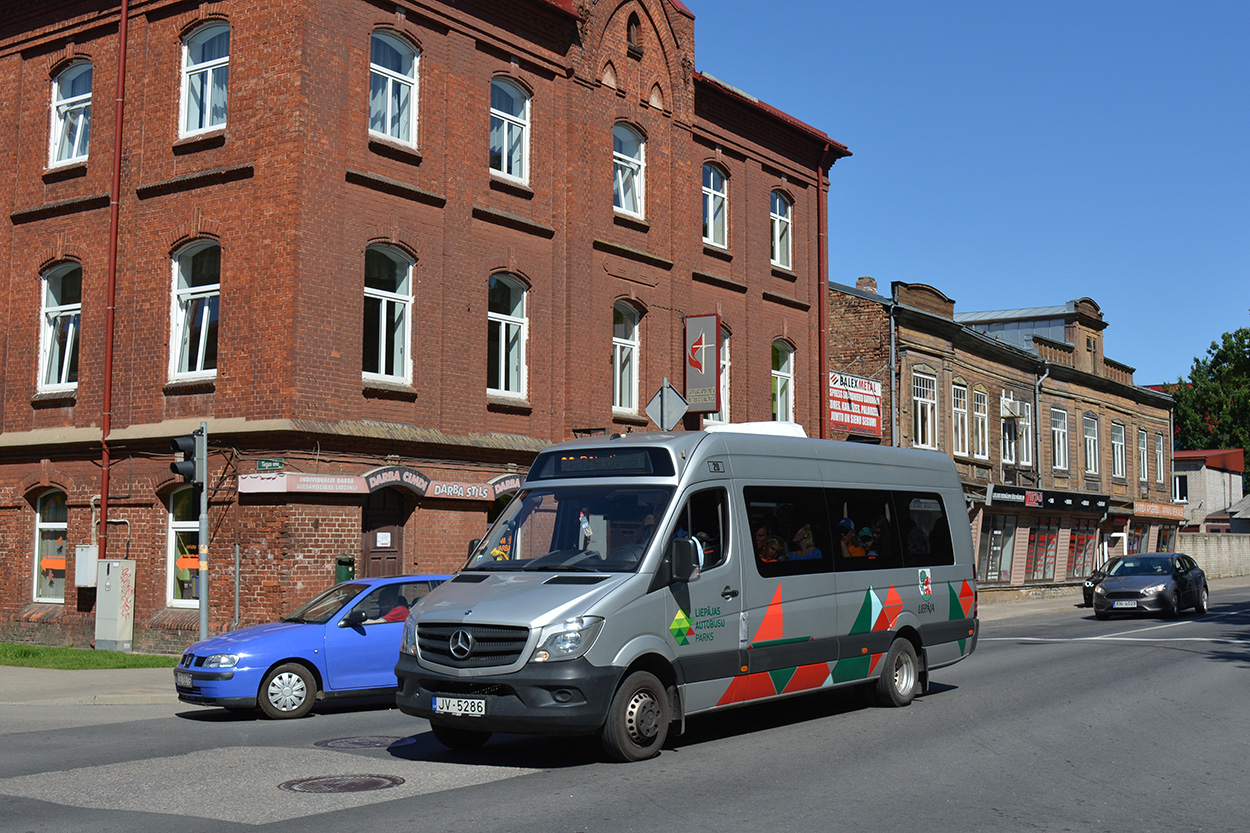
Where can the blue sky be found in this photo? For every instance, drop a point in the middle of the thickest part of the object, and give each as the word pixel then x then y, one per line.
pixel 1018 154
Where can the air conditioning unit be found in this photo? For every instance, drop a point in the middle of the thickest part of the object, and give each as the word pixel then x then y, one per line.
pixel 1012 408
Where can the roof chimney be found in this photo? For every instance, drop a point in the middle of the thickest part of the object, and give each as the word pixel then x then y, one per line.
pixel 866 284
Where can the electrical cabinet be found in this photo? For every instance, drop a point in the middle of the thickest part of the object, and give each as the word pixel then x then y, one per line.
pixel 115 605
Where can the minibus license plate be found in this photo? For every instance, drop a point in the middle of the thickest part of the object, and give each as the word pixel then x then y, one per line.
pixel 1130 603
pixel 182 679
pixel 460 706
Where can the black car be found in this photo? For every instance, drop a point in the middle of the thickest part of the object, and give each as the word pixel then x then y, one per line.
pixel 1100 572
pixel 1163 582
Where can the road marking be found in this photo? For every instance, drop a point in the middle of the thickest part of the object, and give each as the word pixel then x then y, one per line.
pixel 1129 636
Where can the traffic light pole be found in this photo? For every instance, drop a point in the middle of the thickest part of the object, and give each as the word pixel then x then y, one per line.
pixel 201 474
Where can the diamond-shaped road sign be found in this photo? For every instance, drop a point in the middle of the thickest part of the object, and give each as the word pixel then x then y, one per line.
pixel 667 407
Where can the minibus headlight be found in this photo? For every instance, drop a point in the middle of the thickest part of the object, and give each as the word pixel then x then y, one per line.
pixel 567 640
pixel 408 643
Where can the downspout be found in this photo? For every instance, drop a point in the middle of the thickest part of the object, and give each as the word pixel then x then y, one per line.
pixel 114 221
pixel 893 374
pixel 1037 423
pixel 822 269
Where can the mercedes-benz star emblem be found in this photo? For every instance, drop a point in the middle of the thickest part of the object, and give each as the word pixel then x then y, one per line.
pixel 461 644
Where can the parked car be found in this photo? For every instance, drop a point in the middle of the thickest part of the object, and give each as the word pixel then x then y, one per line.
pixel 1162 582
pixel 342 643
pixel 1100 572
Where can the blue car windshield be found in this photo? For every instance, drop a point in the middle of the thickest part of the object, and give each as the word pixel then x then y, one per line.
pixel 319 610
pixel 1150 565
pixel 593 529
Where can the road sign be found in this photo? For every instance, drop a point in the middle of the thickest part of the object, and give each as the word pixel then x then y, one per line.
pixel 270 463
pixel 667 407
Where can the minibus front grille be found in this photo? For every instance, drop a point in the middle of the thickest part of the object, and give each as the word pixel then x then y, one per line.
pixel 487 645
pixel 467 689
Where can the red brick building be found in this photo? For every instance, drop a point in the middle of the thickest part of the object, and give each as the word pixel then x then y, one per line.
pixel 386 253
pixel 1063 459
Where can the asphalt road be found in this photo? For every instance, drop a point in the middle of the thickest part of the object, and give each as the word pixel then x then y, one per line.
pixel 1058 722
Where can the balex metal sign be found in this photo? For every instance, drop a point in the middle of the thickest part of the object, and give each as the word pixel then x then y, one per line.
pixel 1045 500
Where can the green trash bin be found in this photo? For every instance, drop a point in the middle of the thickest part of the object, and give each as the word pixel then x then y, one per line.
pixel 344 568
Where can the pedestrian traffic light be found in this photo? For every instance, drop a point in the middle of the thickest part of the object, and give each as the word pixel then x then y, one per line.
pixel 193 467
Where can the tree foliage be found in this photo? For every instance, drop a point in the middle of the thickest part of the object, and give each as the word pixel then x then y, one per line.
pixel 1213 405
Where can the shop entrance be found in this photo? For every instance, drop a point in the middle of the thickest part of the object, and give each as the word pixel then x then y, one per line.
pixel 382 535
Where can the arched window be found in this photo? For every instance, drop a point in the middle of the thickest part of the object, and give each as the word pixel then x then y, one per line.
pixel 507 332
pixel 62 316
pixel 633 28
pixel 71 114
pixel 393 88
pixel 779 214
pixel 715 207
pixel 783 382
pixel 205 74
pixel 509 129
pixel 51 533
pixel 628 170
pixel 182 582
pixel 625 349
pixel 197 292
pixel 388 309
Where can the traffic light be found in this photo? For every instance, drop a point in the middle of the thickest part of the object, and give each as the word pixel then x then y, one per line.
pixel 193 467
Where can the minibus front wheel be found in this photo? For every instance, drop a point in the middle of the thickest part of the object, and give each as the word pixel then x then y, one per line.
pixel 638 719
pixel 900 675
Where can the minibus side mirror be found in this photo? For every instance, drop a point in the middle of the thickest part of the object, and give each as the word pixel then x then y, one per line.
pixel 686 555
pixel 474 544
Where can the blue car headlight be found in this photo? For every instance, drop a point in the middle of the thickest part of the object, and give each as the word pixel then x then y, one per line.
pixel 222 661
pixel 569 639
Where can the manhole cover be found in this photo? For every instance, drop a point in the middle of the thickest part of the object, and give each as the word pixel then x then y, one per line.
pixel 368 742
pixel 341 783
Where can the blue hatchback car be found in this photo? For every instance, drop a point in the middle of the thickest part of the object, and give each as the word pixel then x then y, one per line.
pixel 342 643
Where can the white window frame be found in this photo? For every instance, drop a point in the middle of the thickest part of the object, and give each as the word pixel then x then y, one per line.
pixel 781 226
pixel 1177 480
pixel 722 415
pixel 1009 438
pixel 783 381
pixel 1119 451
pixel 205 300
pixel 42 525
pixel 172 528
pixel 981 424
pixel 60 326
pixel 924 409
pixel 626 350
pixel 1143 456
pixel 1059 438
pixel 1159 459
pixel 70 136
pixel 959 419
pixel 393 305
pixel 1089 431
pixel 514 132
pixel 629 172
pixel 213 72
pixel 715 206
pixel 395 83
pixel 1024 429
pixel 510 331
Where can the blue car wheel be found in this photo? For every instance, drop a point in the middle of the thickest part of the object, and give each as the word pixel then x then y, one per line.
pixel 287 691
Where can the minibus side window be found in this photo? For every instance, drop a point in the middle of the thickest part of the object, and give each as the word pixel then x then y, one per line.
pixel 706 517
pixel 926 530
pixel 790 530
pixel 865 523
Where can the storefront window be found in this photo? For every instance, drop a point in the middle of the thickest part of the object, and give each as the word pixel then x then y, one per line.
pixel 1167 539
pixel 1043 548
pixel 998 533
pixel 1136 538
pixel 1081 549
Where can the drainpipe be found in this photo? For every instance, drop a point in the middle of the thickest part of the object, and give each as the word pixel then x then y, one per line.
pixel 1037 423
pixel 114 221
pixel 822 268
pixel 893 374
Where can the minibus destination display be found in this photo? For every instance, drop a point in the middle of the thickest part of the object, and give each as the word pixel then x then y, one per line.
pixel 642 462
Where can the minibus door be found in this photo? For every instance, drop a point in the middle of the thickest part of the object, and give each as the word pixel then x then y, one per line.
pixel 705 614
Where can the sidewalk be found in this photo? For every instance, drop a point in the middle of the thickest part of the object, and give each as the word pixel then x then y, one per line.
pixel 152 686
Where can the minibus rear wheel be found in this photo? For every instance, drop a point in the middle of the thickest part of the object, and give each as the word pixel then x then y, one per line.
pixel 900 675
pixel 638 719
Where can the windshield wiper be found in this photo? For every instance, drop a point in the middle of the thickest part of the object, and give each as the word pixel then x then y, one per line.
pixel 562 568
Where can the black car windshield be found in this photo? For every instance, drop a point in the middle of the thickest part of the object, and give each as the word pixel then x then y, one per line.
pixel 599 529
pixel 1142 565
pixel 319 610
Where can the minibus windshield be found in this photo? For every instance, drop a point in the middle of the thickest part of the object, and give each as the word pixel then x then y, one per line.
pixel 596 529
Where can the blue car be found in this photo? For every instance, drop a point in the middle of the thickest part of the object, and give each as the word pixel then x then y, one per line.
pixel 343 643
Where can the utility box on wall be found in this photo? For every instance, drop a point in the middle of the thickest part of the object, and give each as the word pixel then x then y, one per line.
pixel 115 605
pixel 86 556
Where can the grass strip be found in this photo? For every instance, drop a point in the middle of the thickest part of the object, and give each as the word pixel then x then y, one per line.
pixel 78 659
